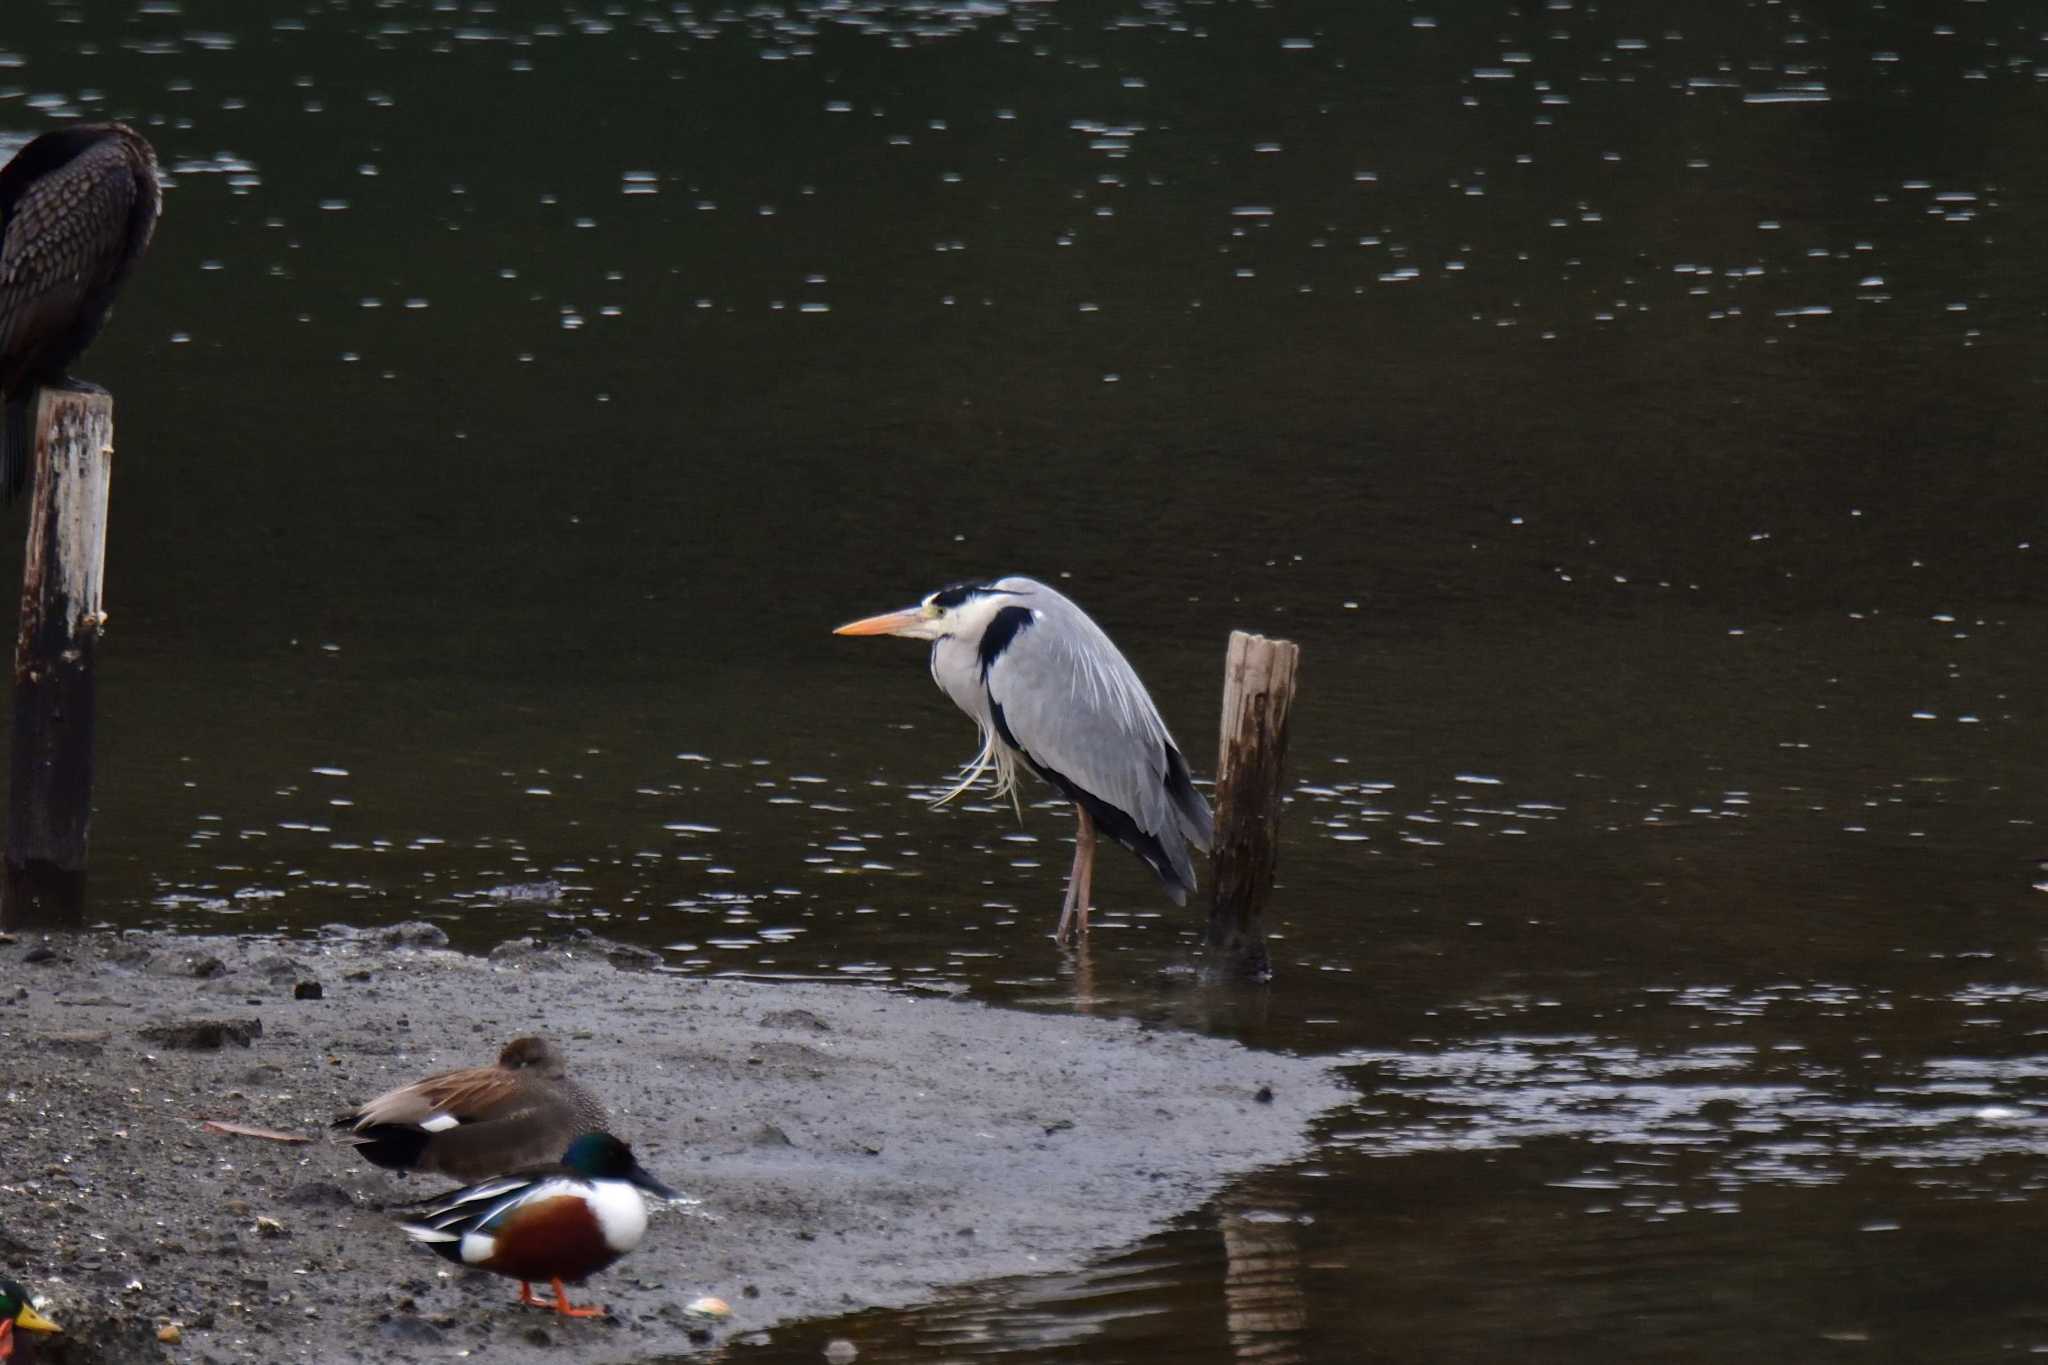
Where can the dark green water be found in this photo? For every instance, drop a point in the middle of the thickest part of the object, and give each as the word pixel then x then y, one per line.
pixel 1636 419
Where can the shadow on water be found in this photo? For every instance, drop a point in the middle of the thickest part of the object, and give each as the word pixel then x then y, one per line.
pixel 1637 424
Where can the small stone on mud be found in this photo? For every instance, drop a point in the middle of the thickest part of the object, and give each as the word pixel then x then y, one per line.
pixel 796 1018
pixel 207 968
pixel 627 957
pixel 204 1035
pixel 414 934
pixel 319 1194
pixel 1264 1095
pixel 840 1351
pixel 76 1043
pixel 169 1334
pixel 409 1330
pixel 42 952
pixel 529 953
pixel 308 990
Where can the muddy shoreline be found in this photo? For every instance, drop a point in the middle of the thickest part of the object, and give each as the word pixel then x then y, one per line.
pixel 843 1147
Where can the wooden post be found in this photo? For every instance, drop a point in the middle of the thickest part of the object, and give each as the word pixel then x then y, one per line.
pixel 1258 694
pixel 50 780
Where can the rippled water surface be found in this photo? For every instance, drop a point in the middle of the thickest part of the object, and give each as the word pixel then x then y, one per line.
pixel 1636 419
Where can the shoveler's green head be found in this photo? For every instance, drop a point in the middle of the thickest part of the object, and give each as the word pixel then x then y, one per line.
pixel 15 1308
pixel 600 1156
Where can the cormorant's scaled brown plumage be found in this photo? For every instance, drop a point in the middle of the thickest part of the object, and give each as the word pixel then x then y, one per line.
pixel 77 208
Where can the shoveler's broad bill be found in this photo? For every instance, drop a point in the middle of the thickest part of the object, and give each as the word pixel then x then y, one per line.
pixel 561 1223
pixel 480 1121
pixel 17 1311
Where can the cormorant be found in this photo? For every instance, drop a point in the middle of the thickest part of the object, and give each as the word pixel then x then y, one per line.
pixel 77 208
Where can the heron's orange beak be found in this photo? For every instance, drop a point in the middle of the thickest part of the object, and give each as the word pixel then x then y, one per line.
pixel 888 623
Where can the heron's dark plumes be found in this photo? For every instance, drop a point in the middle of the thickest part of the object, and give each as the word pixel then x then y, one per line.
pixel 1002 629
pixel 1113 821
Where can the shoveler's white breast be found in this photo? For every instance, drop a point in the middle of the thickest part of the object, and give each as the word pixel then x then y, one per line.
pixel 620 1212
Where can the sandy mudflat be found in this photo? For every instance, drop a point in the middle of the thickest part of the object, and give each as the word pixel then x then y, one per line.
pixel 844 1147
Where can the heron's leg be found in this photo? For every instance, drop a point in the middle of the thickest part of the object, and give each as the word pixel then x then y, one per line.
pixel 1059 933
pixel 1084 858
pixel 1080 880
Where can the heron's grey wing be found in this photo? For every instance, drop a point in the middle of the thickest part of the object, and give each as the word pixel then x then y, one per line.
pixel 1064 695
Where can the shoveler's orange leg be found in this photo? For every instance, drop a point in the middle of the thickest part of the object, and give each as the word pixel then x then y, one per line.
pixel 6 1338
pixel 526 1297
pixel 571 1310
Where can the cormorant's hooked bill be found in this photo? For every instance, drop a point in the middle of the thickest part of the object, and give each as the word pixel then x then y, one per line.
pixel 77 209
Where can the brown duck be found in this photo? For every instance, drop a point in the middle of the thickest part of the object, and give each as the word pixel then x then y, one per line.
pixel 478 1122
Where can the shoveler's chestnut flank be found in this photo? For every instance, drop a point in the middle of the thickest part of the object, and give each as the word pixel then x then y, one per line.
pixel 481 1121
pixel 17 1311
pixel 561 1222
pixel 77 209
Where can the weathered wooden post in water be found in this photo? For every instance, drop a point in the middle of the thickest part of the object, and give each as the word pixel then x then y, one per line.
pixel 50 780
pixel 1258 694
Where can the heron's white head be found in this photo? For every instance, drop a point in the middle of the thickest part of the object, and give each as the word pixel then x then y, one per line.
pixel 964 610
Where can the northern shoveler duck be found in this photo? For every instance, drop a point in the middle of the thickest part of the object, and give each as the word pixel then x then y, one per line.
pixel 559 1222
pixel 478 1122
pixel 17 1311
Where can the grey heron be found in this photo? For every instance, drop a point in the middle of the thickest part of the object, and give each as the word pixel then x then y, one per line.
pixel 1045 685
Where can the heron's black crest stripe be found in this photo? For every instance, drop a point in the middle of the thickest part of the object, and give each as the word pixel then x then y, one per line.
pixel 959 594
pixel 1002 629
pixel 1110 820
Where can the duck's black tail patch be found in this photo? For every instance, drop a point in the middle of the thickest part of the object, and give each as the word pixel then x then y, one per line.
pixel 394 1146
